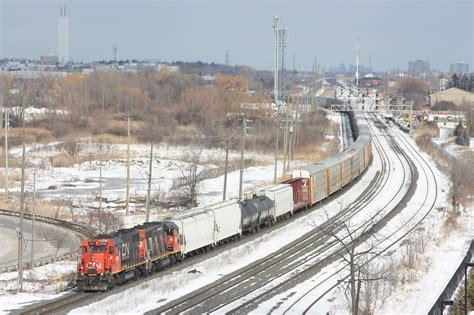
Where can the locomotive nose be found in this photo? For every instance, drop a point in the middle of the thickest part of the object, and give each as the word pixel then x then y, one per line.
pixel 96 264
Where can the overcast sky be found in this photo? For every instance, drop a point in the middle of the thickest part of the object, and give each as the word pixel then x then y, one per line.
pixel 391 32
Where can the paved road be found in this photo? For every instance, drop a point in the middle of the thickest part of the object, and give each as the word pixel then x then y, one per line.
pixel 63 238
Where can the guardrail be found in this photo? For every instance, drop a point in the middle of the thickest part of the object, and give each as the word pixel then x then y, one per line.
pixel 453 283
pixel 42 218
pixel 45 219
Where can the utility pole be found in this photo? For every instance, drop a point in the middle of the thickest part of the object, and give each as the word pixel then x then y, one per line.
pixel 276 28
pixel 33 222
pixel 127 193
pixel 148 193
pixel 20 230
pixel 294 64
pixel 7 118
pixel 282 41
pixel 285 139
pixel 242 149
pixel 22 203
pixel 226 166
pixel 276 144
pixel 100 196
pixel 357 65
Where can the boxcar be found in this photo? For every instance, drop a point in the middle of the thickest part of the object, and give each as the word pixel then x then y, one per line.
pixel 196 230
pixel 318 180
pixel 333 168
pixel 345 159
pixel 301 192
pixel 282 197
pixel 227 217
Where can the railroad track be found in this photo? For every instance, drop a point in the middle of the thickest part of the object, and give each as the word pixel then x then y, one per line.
pixel 226 283
pixel 428 175
pixel 303 274
pixel 315 243
pixel 59 305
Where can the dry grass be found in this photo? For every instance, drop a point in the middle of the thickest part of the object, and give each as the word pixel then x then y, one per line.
pixel 427 129
pixel 50 208
pixel 12 178
pixel 65 160
pixel 31 135
pixel 450 223
pixel 317 153
pixel 112 139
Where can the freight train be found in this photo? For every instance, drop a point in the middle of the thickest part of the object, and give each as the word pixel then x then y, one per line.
pixel 112 259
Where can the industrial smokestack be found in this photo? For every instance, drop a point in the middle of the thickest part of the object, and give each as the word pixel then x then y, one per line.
pixel 63 36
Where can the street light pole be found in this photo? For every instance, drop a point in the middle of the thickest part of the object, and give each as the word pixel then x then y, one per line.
pixel 7 118
pixel 276 144
pixel 276 27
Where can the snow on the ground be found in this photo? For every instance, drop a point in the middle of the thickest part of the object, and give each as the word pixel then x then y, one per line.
pixel 434 267
pixel 81 181
pixel 443 254
pixel 31 112
pixel 41 283
pixel 11 302
pixel 154 293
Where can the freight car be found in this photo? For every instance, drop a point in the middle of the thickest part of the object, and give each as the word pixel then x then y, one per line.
pixel 113 259
pixel 256 212
pixel 281 195
pixel 331 175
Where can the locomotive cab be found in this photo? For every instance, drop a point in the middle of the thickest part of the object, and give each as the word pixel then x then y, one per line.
pixel 99 258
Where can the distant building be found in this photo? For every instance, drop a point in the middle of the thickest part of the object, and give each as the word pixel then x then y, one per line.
pixel 443 83
pixel 49 59
pixel 419 68
pixel 457 96
pixel 63 36
pixel 459 68
pixel 370 81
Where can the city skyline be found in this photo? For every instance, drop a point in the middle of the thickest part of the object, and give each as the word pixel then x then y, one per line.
pixel 204 30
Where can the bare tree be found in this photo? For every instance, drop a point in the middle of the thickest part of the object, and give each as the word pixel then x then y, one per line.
pixel 356 258
pixel 55 239
pixel 192 174
pixel 72 147
pixel 461 177
pixel 103 222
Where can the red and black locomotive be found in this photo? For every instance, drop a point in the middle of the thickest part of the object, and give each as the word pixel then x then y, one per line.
pixel 111 259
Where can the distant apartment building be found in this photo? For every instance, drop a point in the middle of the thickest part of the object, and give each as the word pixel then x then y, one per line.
pixel 49 59
pixel 459 68
pixel 419 68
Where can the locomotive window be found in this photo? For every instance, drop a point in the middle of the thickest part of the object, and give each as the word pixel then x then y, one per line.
pixel 84 249
pixel 111 250
pixel 98 249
